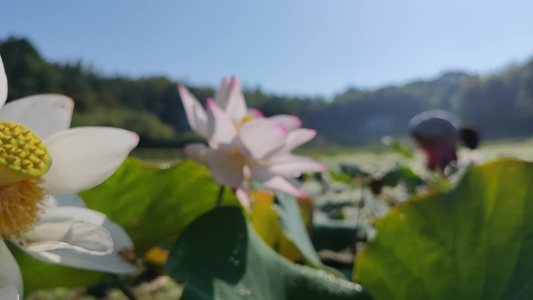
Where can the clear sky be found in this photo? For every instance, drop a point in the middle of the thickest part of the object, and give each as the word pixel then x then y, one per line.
pixel 309 47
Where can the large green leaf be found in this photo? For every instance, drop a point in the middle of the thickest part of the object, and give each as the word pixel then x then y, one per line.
pixel 150 203
pixel 220 256
pixel 472 242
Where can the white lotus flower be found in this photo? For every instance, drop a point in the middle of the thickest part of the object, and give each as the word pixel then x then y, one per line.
pixel 242 142
pixel 39 157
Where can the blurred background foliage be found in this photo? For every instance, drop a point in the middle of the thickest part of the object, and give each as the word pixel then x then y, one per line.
pixel 151 106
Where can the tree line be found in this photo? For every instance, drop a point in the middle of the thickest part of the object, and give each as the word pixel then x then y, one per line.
pixel 499 105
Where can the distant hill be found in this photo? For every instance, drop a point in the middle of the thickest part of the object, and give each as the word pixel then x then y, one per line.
pixel 499 105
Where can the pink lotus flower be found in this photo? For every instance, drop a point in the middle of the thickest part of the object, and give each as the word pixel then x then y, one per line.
pixel 243 143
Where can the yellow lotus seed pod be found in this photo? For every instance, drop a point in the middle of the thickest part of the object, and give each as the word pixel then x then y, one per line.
pixel 22 154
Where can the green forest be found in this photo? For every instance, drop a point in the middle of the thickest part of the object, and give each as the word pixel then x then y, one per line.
pixel 499 105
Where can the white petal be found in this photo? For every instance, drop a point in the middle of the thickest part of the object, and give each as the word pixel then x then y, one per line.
pixel 226 168
pixel 10 277
pixel 84 157
pixel 222 130
pixel 64 200
pixel 43 114
pixel 296 138
pixel 197 152
pixel 3 84
pixel 293 166
pixel 288 121
pixel 68 234
pixel 195 112
pixel 70 200
pixel 8 290
pixel 122 260
pixel 261 138
pixel 61 228
pixel 236 107
pixel 50 202
pixel 274 181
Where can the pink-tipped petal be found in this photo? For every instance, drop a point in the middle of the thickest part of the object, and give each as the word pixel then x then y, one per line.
pixel 274 181
pixel 244 199
pixel 222 130
pixel 261 138
pixel 196 114
pixel 226 168
pixel 222 93
pixel 255 112
pixel 236 107
pixel 293 166
pixel 297 138
pixel 196 152
pixel 246 172
pixel 288 121
pixel 230 98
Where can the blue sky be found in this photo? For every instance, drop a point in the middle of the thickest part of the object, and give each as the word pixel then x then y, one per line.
pixel 303 47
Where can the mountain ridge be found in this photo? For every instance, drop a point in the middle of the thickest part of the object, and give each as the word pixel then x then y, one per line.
pixel 499 105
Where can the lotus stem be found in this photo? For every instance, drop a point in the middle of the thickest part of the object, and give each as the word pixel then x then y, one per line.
pixel 220 195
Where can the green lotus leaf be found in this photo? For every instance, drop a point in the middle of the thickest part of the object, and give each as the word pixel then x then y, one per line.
pixel 474 241
pixel 219 256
